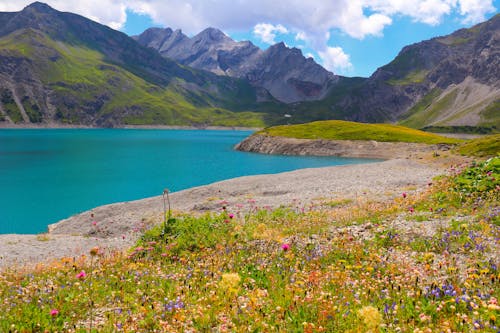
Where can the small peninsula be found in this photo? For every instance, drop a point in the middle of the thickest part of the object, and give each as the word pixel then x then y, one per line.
pixel 344 138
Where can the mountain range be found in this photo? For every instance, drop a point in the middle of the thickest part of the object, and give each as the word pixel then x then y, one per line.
pixel 60 67
pixel 284 72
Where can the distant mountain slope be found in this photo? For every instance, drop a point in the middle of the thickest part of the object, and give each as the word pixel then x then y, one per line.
pixel 63 68
pixel 284 72
pixel 446 81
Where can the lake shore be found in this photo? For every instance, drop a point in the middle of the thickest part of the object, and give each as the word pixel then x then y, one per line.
pixel 118 226
pixel 4 125
pixel 264 144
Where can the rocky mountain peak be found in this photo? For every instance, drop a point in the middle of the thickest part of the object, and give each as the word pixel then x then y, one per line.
pixel 281 50
pixel 39 7
pixel 37 16
pixel 279 46
pixel 284 72
pixel 211 34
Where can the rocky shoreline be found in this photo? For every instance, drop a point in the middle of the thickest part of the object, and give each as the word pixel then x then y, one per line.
pixel 265 144
pixel 117 226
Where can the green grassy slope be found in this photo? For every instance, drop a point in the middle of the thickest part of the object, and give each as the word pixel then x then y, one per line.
pixel 85 87
pixel 9 106
pixel 345 130
pixel 438 109
pixel 482 147
pixel 428 108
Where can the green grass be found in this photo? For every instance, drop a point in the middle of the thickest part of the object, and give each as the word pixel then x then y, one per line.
pixel 345 130
pixel 406 62
pixel 422 104
pixel 455 41
pixel 86 86
pixel 413 77
pixel 491 114
pixel 9 106
pixel 285 270
pixel 482 147
pixel 461 129
pixel 424 112
pixel 32 110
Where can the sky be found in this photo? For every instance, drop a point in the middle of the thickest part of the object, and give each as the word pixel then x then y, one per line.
pixel 347 37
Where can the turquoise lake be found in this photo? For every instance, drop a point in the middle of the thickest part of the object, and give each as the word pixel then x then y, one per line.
pixel 50 174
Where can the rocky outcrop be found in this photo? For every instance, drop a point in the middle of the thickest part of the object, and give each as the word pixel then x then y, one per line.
pixel 283 71
pixel 264 144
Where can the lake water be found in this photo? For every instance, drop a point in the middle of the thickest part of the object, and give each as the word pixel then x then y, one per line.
pixel 49 174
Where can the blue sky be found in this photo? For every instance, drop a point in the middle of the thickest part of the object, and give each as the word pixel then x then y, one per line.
pixel 348 37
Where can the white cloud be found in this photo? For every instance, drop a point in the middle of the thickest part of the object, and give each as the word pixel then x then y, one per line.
pixel 267 32
pixel 474 11
pixel 301 35
pixel 309 22
pixel 108 12
pixel 335 60
pixel 425 11
pixel 312 18
pixel 433 11
pixel 309 55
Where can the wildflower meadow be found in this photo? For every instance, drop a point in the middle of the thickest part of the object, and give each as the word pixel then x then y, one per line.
pixel 425 261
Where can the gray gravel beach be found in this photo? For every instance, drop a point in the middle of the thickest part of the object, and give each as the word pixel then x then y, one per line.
pixel 117 226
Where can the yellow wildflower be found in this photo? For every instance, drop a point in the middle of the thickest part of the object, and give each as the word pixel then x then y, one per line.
pixel 370 316
pixel 230 283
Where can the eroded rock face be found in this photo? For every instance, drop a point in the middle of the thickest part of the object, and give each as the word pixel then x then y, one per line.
pixel 347 148
pixel 284 72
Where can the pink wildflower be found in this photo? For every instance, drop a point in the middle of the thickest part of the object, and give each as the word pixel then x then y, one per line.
pixel 231 215
pixel 412 209
pixel 285 246
pixel 94 223
pixel 54 312
pixel 404 194
pixel 81 275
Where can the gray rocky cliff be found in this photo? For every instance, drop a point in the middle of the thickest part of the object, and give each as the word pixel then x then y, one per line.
pixel 284 72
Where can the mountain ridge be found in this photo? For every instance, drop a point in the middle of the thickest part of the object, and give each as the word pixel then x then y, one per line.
pixel 284 72
pixel 69 69
pixel 61 68
pixel 447 81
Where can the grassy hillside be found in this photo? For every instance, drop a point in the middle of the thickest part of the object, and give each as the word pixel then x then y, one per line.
pixel 345 130
pixel 454 108
pixel 482 147
pixel 85 86
pixel 335 266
